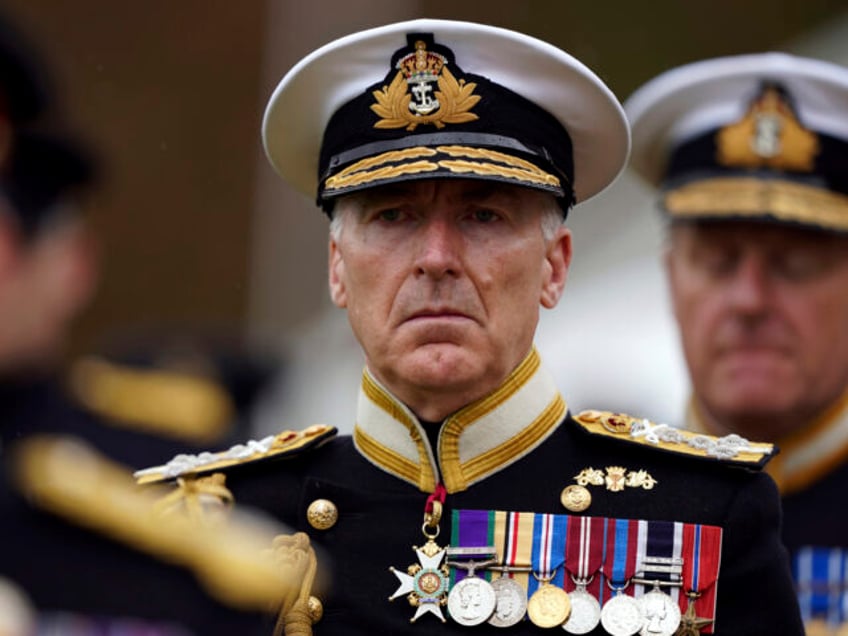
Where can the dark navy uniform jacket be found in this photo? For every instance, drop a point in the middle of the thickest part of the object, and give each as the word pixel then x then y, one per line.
pixel 77 579
pixel 812 475
pixel 514 450
pixel 80 581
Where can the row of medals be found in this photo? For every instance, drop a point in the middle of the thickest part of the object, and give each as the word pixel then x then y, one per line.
pixel 503 603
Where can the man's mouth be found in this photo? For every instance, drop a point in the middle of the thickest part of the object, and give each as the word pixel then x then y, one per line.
pixel 438 314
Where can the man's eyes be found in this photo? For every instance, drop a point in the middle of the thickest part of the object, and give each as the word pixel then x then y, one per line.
pixel 385 215
pixel 715 260
pixel 789 265
pixel 802 264
pixel 485 215
pixel 390 214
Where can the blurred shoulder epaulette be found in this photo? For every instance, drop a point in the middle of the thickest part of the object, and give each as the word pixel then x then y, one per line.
pixel 67 478
pixel 285 444
pixel 732 449
pixel 154 401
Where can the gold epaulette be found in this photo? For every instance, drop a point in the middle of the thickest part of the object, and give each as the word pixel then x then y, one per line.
pixel 234 561
pixel 165 403
pixel 730 448
pixel 285 444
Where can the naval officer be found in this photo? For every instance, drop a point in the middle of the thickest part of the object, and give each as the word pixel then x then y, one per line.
pixel 750 154
pixel 469 498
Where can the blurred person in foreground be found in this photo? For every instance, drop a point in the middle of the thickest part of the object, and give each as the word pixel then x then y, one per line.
pixel 141 393
pixel 751 156
pixel 80 554
pixel 447 155
pixel 141 396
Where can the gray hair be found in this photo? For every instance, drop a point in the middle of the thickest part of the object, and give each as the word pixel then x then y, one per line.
pixel 336 220
pixel 552 219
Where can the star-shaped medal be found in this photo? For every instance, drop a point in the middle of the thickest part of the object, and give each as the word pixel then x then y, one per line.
pixel 425 583
pixel 690 623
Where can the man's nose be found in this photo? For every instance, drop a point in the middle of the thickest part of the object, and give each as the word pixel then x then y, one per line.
pixel 750 287
pixel 439 248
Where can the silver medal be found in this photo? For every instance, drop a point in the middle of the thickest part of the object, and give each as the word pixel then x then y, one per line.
pixel 471 601
pixel 622 616
pixel 585 612
pixel 511 602
pixel 660 613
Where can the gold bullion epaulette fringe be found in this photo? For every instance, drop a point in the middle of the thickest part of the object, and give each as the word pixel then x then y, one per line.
pixel 730 448
pixel 160 402
pixel 285 444
pixel 238 562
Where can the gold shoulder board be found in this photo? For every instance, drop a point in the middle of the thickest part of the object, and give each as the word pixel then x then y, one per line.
pixel 730 448
pixel 285 444
pixel 153 401
pixel 231 560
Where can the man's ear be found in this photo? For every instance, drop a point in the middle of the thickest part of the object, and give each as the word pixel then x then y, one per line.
pixel 338 293
pixel 557 262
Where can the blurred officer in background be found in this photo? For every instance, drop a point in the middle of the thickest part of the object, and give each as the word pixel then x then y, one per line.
pixel 141 397
pixel 447 155
pixel 79 554
pixel 751 156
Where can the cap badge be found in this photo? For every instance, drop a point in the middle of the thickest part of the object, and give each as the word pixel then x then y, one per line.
pixel 424 91
pixel 768 136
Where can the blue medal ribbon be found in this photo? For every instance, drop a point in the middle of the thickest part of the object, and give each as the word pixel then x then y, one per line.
pixel 820 579
pixel 549 538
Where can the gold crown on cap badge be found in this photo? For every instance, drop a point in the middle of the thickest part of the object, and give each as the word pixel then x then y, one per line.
pixel 422 65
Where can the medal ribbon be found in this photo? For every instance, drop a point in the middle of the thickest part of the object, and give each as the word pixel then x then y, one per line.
pixel 619 562
pixel 439 494
pixel 839 595
pixel 549 535
pixel 471 529
pixel 820 578
pixel 584 551
pixel 701 561
pixel 662 539
pixel 518 544
pixel 617 548
pixel 511 533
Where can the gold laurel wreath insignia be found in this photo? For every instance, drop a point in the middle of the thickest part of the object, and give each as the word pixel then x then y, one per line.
pixel 456 97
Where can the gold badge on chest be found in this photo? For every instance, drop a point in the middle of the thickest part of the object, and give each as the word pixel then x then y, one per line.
pixel 577 497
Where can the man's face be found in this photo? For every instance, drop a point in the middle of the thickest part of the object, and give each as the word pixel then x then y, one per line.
pixel 763 315
pixel 442 281
pixel 44 284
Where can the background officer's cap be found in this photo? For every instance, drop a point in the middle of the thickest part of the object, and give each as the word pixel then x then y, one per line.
pixel 41 172
pixel 437 98
pixel 746 137
pixel 38 168
pixel 24 84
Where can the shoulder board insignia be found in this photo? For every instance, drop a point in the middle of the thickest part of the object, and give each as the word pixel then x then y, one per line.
pixel 730 448
pixel 69 479
pixel 285 444
pixel 166 403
